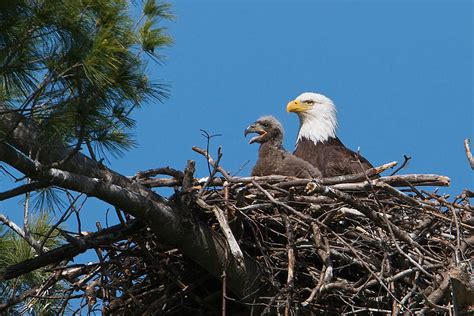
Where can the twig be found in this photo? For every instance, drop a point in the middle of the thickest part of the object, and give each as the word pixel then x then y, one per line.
pixel 63 218
pixel 208 145
pixel 468 153
pixel 19 298
pixel 26 215
pixel 291 261
pixel 188 175
pixel 324 252
pixel 367 211
pixel 287 207
pixel 212 173
pixel 212 162
pixel 20 232
pixel 403 165
pixel 437 295
pixel 68 251
pixel 153 172
pixel 380 281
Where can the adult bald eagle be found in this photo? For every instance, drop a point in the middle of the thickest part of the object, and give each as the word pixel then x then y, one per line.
pixel 317 142
pixel 273 159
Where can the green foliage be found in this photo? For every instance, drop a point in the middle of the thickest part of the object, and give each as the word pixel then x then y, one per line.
pixel 46 200
pixel 14 249
pixel 152 38
pixel 76 67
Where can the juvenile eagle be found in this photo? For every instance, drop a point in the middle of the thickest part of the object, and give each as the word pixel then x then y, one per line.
pixel 317 142
pixel 273 159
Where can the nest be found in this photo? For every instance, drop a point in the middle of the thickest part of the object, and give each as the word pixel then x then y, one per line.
pixel 341 245
pixel 344 245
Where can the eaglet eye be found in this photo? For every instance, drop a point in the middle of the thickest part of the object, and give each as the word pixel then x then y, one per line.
pixel 265 124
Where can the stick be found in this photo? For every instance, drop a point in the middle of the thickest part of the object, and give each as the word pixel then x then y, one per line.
pixel 341 183
pixel 324 252
pixel 405 162
pixel 231 241
pixel 20 232
pixel 468 153
pixel 153 172
pixel 211 161
pixel 367 211
pixel 291 261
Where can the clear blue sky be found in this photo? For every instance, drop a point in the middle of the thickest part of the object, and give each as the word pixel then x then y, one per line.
pixel 400 74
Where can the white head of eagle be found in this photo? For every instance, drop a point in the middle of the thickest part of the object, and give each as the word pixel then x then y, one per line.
pixel 317 114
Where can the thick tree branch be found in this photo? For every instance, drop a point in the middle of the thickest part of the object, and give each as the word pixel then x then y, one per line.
pixel 170 224
pixel 22 189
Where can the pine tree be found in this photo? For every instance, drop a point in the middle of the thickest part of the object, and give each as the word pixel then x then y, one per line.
pixel 78 68
pixel 75 70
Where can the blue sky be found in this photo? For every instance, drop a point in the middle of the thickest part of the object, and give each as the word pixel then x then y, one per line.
pixel 400 74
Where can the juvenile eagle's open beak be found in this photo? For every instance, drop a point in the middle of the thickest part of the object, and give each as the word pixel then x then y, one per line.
pixel 296 106
pixel 254 128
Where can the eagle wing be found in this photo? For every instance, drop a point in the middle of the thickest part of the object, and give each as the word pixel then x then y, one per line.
pixel 345 162
pixel 297 167
pixel 331 157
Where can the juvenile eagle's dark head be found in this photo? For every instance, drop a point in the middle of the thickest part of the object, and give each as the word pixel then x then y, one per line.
pixel 268 128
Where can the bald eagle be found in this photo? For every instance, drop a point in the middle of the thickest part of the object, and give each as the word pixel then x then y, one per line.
pixel 273 159
pixel 317 142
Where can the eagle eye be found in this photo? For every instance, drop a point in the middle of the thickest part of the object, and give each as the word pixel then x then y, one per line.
pixel 310 102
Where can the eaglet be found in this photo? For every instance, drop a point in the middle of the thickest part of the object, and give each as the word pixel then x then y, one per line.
pixel 273 159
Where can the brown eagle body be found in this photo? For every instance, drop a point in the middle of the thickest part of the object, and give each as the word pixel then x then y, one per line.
pixel 317 142
pixel 331 157
pixel 273 159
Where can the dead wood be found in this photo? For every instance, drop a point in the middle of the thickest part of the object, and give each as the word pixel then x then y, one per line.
pixel 469 153
pixel 324 246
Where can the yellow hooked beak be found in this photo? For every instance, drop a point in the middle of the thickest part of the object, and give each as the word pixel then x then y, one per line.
pixel 297 106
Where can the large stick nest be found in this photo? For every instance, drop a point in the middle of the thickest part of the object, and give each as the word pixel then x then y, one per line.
pixel 343 245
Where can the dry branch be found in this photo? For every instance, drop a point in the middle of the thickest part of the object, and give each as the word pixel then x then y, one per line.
pixel 231 241
pixel 20 232
pixel 70 250
pixel 341 183
pixel 468 153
